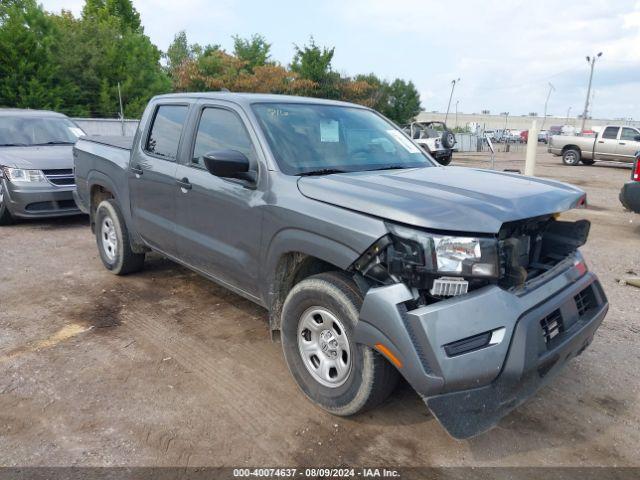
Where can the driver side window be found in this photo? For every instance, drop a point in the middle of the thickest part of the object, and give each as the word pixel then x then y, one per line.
pixel 221 129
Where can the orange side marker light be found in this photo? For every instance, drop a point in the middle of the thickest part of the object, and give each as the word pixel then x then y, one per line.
pixel 387 353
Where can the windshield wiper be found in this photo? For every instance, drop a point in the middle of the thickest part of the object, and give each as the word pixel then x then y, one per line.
pixel 13 145
pixel 388 167
pixel 52 143
pixel 322 171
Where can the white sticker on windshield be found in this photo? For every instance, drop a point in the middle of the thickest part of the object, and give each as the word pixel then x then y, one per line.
pixel 330 131
pixel 404 141
pixel 76 131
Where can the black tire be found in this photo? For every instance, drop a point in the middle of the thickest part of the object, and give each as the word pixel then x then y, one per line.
pixel 370 379
pixel 448 139
pixel 444 161
pixel 571 157
pixel 120 259
pixel 588 161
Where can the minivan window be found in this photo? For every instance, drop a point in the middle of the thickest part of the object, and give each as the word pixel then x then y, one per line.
pixel 610 133
pixel 166 129
pixel 221 129
pixel 629 134
pixel 317 139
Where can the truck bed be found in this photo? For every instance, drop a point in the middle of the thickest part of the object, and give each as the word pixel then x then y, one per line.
pixel 118 141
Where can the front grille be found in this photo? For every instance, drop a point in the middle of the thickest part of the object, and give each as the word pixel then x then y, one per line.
pixel 51 206
pixel 585 301
pixel 552 325
pixel 60 176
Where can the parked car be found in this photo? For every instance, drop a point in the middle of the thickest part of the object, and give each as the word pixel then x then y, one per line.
pixel 371 259
pixel 543 136
pixel 435 138
pixel 36 163
pixel 611 143
pixel 524 136
pixel 630 193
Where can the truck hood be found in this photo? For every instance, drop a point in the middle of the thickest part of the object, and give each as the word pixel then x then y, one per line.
pixel 39 158
pixel 443 198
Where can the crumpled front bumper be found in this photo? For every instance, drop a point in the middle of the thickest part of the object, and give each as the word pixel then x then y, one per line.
pixel 468 391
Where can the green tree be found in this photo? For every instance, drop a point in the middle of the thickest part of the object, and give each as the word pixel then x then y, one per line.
pixel 123 10
pixel 255 51
pixel 403 102
pixel 27 68
pixel 313 63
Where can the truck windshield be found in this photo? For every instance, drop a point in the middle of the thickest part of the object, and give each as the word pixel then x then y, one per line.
pixel 309 139
pixel 29 131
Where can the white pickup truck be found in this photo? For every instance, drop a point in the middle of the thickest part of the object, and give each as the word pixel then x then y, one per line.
pixel 611 143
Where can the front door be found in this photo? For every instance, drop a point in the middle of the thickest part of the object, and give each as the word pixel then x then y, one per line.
pixel 152 178
pixel 218 220
pixel 628 145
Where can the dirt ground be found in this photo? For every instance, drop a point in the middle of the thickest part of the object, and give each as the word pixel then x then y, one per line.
pixel 164 368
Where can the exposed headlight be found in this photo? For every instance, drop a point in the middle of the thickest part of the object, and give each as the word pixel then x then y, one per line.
pixel 447 254
pixel 19 175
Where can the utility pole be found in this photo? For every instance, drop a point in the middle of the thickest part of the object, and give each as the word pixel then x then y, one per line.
pixel 568 113
pixel 453 86
pixel 546 102
pixel 592 62
pixel 121 111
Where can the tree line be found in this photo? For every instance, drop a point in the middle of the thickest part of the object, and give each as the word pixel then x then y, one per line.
pixel 74 65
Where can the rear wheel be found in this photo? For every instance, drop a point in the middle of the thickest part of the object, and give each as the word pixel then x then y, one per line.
pixel 5 215
pixel 445 160
pixel 571 157
pixel 334 372
pixel 113 240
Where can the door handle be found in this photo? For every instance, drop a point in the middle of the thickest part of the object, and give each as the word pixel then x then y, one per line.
pixel 184 183
pixel 600 141
pixel 137 170
pixel 622 143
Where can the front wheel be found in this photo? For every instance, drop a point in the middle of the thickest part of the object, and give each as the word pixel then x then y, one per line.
pixel 113 240
pixel 337 374
pixel 5 214
pixel 571 157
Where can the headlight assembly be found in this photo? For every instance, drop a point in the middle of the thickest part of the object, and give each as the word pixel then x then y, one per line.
pixel 446 254
pixel 19 175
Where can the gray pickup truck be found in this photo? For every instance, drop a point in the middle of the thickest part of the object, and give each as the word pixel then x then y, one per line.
pixel 372 260
pixel 613 142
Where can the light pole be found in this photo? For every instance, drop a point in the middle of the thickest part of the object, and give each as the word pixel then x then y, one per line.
pixel 568 113
pixel 592 62
pixel 453 86
pixel 457 102
pixel 546 102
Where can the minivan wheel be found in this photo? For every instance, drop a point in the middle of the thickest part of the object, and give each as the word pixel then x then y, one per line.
pixel 571 157
pixel 113 240
pixel 5 214
pixel 318 319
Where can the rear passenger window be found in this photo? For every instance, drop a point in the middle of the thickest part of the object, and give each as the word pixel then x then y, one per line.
pixel 221 129
pixel 166 130
pixel 629 134
pixel 611 133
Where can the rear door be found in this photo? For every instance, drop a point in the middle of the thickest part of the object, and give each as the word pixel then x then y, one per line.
pixel 152 176
pixel 219 221
pixel 607 144
pixel 628 146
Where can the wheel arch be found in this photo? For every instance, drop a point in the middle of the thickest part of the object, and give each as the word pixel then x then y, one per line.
pixel 295 255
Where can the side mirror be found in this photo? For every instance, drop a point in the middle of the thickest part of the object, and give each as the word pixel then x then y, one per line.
pixel 637 138
pixel 229 164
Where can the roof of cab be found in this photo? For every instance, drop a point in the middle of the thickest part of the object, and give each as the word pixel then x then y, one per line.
pixel 250 98
pixel 27 112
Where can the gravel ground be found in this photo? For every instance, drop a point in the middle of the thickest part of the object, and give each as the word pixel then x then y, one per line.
pixel 164 368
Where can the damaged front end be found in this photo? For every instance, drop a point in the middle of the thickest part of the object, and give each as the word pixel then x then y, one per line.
pixel 440 265
pixel 465 321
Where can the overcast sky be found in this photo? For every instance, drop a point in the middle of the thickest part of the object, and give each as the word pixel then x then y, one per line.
pixel 505 52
